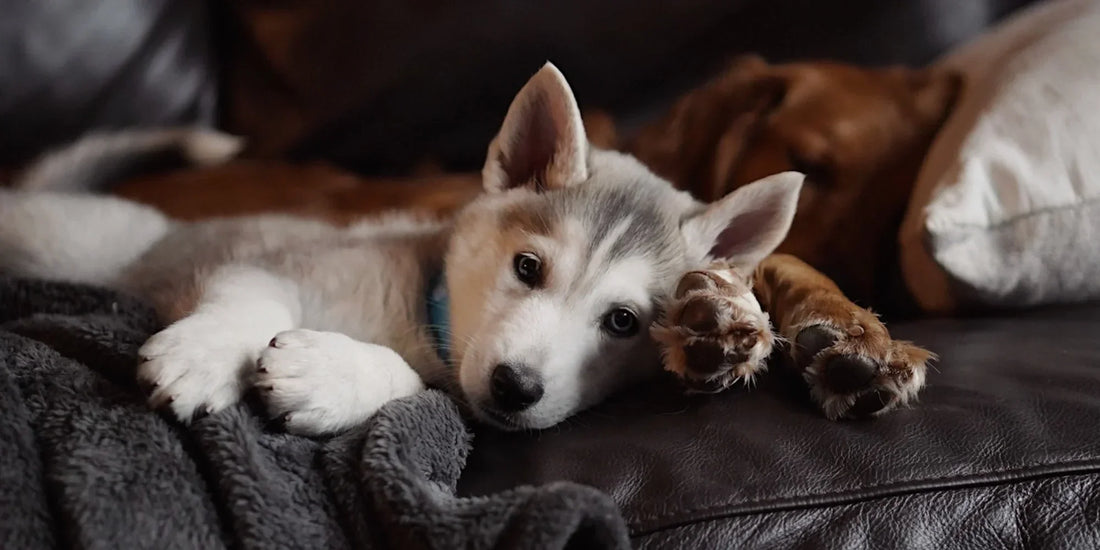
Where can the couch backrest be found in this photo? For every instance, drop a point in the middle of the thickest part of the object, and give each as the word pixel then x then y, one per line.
pixel 377 85
pixel 68 66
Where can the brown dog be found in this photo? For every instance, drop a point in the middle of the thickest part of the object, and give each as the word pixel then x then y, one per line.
pixel 858 134
pixel 311 190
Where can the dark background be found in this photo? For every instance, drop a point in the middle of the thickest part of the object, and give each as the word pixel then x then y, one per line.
pixel 379 85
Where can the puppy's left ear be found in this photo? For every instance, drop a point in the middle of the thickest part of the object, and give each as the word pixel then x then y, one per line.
pixel 747 225
pixel 542 143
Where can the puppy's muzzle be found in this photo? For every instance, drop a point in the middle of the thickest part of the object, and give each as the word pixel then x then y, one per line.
pixel 514 387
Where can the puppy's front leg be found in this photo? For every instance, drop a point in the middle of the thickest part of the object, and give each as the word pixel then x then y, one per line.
pixel 323 382
pixel 200 363
pixel 853 368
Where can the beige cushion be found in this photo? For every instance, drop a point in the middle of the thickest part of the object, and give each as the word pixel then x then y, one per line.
pixel 1006 209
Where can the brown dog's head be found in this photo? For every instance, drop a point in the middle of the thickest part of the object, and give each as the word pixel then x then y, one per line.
pixel 858 134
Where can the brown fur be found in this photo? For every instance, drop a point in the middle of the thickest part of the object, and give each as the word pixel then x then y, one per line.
pixel 859 135
pixel 313 190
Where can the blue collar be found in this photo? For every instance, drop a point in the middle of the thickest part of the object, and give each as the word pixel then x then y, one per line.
pixel 439 326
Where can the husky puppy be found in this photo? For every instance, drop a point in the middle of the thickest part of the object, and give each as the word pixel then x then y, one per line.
pixel 535 299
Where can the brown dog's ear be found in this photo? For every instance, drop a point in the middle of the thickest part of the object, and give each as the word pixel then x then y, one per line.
pixel 934 92
pixel 747 62
pixel 748 224
pixel 542 143
pixel 699 141
pixel 937 93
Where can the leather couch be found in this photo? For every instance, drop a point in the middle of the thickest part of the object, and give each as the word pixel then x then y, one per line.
pixel 1001 452
pixel 1003 449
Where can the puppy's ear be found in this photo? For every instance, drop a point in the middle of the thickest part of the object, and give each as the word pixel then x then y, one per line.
pixel 542 143
pixel 748 224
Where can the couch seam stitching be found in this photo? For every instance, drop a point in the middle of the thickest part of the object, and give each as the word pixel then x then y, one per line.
pixel 756 506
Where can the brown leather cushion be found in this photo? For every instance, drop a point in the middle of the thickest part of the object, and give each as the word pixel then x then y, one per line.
pixel 1003 446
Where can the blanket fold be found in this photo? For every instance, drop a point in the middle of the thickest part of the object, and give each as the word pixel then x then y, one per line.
pixel 84 463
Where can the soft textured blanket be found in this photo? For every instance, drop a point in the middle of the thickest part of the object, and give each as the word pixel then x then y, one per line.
pixel 83 463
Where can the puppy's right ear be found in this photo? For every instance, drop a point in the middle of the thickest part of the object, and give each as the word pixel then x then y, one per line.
pixel 542 143
pixel 748 224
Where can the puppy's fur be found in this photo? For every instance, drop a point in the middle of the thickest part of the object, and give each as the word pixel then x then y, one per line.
pixel 330 323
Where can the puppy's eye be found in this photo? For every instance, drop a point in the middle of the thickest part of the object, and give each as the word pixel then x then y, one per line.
pixel 528 268
pixel 621 323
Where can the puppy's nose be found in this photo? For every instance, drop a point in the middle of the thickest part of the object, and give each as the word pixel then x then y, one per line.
pixel 514 388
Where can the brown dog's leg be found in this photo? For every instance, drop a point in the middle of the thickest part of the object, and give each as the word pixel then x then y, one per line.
pixel 852 366
pixel 714 334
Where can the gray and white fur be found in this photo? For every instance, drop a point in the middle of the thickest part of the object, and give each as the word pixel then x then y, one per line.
pixel 329 323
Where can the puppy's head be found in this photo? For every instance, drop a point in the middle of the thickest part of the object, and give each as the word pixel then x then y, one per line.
pixel 556 272
pixel 858 134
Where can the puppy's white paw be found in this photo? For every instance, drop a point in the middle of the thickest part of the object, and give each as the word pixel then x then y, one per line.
pixel 196 365
pixel 324 382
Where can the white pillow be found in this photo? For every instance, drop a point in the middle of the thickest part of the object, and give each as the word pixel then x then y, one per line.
pixel 1006 209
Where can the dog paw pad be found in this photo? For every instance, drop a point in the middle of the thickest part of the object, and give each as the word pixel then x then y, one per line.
pixel 859 373
pixel 849 373
pixel 714 332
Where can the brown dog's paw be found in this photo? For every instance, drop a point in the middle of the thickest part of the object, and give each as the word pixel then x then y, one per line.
pixel 714 332
pixel 857 370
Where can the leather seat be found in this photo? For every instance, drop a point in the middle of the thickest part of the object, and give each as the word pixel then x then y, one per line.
pixel 1002 447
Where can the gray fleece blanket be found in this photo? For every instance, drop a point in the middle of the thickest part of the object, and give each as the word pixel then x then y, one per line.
pixel 84 464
